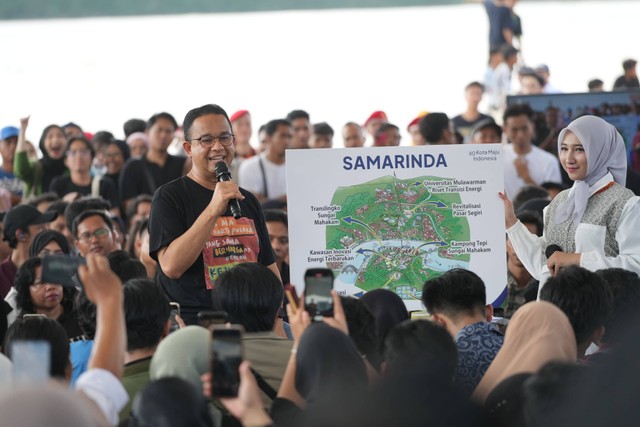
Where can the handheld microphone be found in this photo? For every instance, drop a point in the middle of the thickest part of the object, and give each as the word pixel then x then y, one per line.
pixel 551 249
pixel 223 174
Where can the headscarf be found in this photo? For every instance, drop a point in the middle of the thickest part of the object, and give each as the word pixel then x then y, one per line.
pixel 538 333
pixel 138 135
pixel 43 238
pixel 53 405
pixel 185 354
pixel 172 402
pixel 51 167
pixel 605 152
pixel 328 365
pixel 388 309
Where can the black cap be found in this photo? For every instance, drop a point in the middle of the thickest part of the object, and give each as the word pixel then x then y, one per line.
pixel 22 216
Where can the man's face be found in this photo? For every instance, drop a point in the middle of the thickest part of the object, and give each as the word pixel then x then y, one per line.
pixel 390 138
pixel 519 130
pixel 78 157
pixel 531 86
pixel 416 136
pixel 161 134
pixel 60 225
pixel 279 237
pixel 486 135
pixel 242 128
pixel 301 133
pixel 373 126
pixel 280 140
pixel 352 136
pixel 473 95
pixel 94 236
pixel 205 158
pixel 8 149
pixel 320 141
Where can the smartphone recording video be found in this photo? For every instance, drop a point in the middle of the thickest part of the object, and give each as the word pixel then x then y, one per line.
pixel 175 311
pixel 317 293
pixel 226 357
pixel 206 319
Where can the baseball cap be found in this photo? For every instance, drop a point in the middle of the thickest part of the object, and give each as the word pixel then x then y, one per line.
pixel 238 114
pixel 376 115
pixel 9 132
pixel 22 216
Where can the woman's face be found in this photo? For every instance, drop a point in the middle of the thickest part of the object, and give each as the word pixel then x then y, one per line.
pixel 54 143
pixel 573 158
pixel 78 157
pixel 138 148
pixel 51 248
pixel 44 296
pixel 114 159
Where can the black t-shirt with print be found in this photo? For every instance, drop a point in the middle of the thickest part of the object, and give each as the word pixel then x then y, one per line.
pixel 174 209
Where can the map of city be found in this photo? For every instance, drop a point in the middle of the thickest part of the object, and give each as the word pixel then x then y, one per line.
pixel 399 233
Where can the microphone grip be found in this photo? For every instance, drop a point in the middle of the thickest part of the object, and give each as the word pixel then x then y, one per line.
pixel 551 249
pixel 222 173
pixel 234 204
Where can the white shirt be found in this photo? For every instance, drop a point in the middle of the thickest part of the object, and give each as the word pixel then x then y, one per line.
pixel 589 242
pixel 106 391
pixel 543 167
pixel 250 177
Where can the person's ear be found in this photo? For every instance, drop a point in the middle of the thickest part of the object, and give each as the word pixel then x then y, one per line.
pixel 488 313
pixel 187 147
pixel 21 235
pixel 167 328
pixel 439 320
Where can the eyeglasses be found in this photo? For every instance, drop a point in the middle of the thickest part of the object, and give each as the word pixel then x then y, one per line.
pixel 100 232
pixel 207 141
pixel 82 153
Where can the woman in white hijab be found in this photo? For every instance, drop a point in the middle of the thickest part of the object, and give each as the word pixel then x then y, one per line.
pixel 595 223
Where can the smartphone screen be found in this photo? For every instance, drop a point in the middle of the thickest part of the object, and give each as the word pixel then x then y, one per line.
pixel 62 270
pixel 210 318
pixel 31 362
pixel 317 293
pixel 226 352
pixel 175 311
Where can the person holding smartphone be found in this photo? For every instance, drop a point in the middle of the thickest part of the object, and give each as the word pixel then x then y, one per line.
pixel 193 235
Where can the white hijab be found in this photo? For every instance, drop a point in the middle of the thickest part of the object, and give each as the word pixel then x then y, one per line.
pixel 605 152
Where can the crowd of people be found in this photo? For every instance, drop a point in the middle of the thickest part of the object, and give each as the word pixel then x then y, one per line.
pixel 152 243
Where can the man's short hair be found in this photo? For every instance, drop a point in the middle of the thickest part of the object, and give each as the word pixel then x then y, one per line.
pixel 531 217
pixel 87 214
pixel 251 295
pixel 49 197
pixel 276 215
pixel 432 126
pixel 133 206
pixel 323 128
pixel 86 143
pixel 146 311
pixel 204 110
pixel 516 110
pixel 457 292
pixel 84 204
pixel 133 126
pixel 421 342
pixel 595 84
pixel 272 127
pixel 298 114
pixel 125 267
pixel 529 192
pixel 583 296
pixel 624 286
pixel 158 116
pixel 474 84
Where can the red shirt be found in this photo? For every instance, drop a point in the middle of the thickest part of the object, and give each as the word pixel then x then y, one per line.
pixel 8 272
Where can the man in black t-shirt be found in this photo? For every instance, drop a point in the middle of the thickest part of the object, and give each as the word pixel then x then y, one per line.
pixel 629 79
pixel 157 167
pixel 193 235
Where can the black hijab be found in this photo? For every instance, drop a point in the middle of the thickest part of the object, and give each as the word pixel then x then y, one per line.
pixel 44 237
pixel 328 365
pixel 387 308
pixel 51 167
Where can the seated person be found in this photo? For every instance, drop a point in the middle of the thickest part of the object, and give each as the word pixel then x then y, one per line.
pixel 584 297
pixel 457 301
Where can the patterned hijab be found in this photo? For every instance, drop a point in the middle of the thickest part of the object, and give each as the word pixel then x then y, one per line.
pixel 605 152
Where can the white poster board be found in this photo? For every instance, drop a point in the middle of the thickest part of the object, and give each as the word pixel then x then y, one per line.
pixel 393 217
